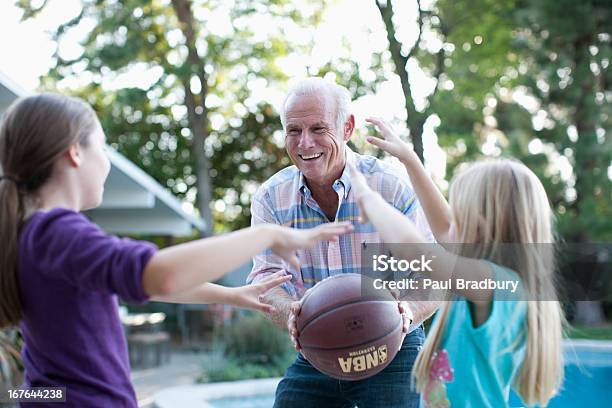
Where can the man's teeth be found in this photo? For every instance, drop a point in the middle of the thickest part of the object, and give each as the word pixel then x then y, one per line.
pixel 312 156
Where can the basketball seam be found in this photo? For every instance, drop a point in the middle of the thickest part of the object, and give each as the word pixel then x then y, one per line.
pixel 354 345
pixel 331 308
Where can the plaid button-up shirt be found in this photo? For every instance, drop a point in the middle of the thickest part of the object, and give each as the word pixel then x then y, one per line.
pixel 285 199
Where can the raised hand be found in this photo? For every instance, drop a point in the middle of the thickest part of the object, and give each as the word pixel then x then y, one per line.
pixel 252 296
pixel 288 240
pixel 391 142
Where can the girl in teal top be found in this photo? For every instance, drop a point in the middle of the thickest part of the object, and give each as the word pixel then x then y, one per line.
pixel 488 338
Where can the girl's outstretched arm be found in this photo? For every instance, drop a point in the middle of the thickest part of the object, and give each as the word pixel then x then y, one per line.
pixel 248 296
pixel 395 228
pixel 184 267
pixel 432 201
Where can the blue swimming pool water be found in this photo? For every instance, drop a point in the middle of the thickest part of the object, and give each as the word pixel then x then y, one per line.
pixel 588 383
pixel 264 401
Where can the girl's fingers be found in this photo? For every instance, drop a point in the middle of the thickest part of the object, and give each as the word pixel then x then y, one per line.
pixel 266 308
pixel 382 144
pixel 273 282
pixel 293 261
pixel 332 230
pixel 375 121
pixel 335 231
pixel 383 125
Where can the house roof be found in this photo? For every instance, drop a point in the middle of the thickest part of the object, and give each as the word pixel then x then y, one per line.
pixel 133 202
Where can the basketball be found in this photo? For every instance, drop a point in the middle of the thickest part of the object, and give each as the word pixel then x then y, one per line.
pixel 347 333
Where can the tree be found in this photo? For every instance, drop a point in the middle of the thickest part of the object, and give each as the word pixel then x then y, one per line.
pixel 527 79
pixel 426 19
pixel 567 52
pixel 540 88
pixel 202 60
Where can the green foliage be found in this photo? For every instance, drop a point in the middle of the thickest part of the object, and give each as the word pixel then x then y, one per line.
pixel 219 367
pixel 251 347
pixel 591 333
pixel 565 48
pixel 152 124
pixel 252 338
pixel 11 364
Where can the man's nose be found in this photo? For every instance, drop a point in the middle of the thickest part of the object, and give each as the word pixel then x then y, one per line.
pixel 306 140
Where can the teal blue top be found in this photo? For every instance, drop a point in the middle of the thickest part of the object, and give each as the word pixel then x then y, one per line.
pixel 486 359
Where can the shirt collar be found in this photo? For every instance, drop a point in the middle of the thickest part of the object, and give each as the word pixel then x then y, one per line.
pixel 344 180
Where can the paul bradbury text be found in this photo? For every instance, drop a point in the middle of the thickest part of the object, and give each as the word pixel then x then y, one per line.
pixel 448 284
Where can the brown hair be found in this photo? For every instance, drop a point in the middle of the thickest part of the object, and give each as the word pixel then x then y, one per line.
pixel 35 131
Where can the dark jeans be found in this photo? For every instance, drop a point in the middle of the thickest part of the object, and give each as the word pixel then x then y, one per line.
pixel 305 387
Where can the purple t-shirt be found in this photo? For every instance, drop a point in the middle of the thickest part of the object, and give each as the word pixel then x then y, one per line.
pixel 70 273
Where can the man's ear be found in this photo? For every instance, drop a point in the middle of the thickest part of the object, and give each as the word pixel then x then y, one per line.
pixel 349 126
pixel 74 155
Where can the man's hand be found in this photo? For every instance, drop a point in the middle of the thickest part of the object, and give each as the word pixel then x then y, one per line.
pixel 292 324
pixel 403 307
pixel 406 312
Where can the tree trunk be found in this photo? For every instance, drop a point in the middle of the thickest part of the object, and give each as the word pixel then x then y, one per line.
pixel 414 119
pixel 196 111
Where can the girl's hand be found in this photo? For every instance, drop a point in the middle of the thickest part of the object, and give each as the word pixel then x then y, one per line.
pixel 288 240
pixel 392 143
pixel 251 296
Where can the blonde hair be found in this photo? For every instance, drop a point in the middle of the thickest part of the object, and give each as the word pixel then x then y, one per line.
pixel 496 203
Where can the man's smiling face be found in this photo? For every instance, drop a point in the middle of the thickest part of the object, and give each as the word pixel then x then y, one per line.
pixel 314 144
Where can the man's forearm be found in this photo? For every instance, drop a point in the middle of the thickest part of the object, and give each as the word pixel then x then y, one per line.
pixel 281 301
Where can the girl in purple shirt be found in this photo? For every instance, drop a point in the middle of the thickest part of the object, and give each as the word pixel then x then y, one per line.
pixel 60 274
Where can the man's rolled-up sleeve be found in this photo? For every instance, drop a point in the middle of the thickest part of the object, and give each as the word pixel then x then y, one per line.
pixel 267 262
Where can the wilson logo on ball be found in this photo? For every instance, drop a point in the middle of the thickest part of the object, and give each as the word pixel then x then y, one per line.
pixel 365 359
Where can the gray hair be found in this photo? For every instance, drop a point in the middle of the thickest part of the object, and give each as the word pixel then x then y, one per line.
pixel 314 85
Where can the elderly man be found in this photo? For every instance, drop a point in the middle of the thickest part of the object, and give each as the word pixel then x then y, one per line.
pixel 318 123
